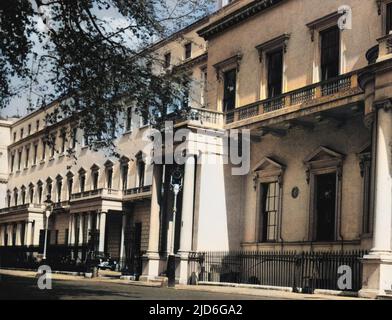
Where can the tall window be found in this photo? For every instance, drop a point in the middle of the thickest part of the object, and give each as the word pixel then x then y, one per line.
pixel 188 50
pixel 388 18
pixel 12 162
pixel 124 176
pixel 40 192
pixel 43 149
pixel 59 184
pixel 23 194
pixel 29 129
pixel 37 125
pixel 53 147
pixel 31 193
pixel 70 186
pixel 14 136
pixel 19 159
pixel 269 204
pixel 95 177
pixel 167 61
pixel 49 186
pixel 21 133
pixel 275 73
pixel 141 168
pixel 325 197
pixel 8 198
pixel 63 138
pixel 35 154
pixel 27 159
pixel 330 53
pixel 74 133
pixel 82 181
pixel 229 89
pixel 128 125
pixel 16 197
pixel 109 177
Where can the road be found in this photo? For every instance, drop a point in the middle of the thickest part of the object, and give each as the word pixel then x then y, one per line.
pixel 25 288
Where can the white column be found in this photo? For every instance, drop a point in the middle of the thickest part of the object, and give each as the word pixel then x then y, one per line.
pixel 122 249
pixel 28 233
pixel 71 234
pixel 151 259
pixel 187 207
pixel 80 226
pixel 18 238
pixel 377 266
pixel 1 235
pixel 187 219
pixel 9 232
pixel 102 226
pixel 383 189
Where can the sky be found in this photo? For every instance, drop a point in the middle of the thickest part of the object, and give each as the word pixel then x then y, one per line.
pixel 18 106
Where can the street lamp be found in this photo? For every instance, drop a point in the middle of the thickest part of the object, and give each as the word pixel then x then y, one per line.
pixel 176 184
pixel 48 211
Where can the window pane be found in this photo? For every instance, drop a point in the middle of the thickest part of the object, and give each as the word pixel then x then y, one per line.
pixel 330 53
pixel 230 79
pixel 275 73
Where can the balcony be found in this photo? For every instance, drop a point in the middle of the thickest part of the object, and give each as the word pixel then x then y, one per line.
pixel 204 118
pixel 304 98
pixel 23 207
pixel 139 193
pixel 98 193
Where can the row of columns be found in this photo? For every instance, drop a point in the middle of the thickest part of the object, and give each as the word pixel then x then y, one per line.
pixel 23 236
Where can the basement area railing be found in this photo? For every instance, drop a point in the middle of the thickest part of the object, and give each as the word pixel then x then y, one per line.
pixel 304 272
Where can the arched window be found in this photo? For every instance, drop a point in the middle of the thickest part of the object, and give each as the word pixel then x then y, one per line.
pixel 40 191
pixel 70 176
pixel 15 196
pixel 109 174
pixel 49 186
pixel 8 198
pixel 124 165
pixel 23 194
pixel 82 180
pixel 31 193
pixel 59 186
pixel 94 176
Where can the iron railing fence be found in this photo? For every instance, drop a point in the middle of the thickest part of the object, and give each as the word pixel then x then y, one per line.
pixel 58 257
pixel 303 272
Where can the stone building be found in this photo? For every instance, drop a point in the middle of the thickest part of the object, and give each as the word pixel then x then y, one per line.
pixel 312 85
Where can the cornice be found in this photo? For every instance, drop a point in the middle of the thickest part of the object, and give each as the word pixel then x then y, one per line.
pixel 236 17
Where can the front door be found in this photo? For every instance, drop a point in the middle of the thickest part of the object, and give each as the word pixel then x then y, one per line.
pixel 325 187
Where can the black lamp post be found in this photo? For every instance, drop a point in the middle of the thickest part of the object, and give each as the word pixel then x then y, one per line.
pixel 48 212
pixel 176 184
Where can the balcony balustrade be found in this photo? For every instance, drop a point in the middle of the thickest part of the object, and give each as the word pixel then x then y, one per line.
pixel 303 96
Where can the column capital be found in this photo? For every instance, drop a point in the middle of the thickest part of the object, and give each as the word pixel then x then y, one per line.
pixel 383 104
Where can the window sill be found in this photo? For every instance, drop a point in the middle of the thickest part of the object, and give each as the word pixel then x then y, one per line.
pixel 51 159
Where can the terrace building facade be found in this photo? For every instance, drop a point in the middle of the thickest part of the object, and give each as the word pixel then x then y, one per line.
pixel 312 85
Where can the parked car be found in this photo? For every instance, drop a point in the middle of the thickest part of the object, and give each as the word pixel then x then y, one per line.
pixel 105 262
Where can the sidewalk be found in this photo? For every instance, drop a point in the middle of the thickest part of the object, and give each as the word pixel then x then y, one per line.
pixel 275 294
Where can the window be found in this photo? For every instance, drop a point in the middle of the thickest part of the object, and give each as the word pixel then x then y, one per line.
pixel 27 158
pixel 53 147
pixel 15 197
pixel 325 186
pixel 128 125
pixel 167 61
pixel 229 89
pixel 12 162
pixel 21 133
pixel 141 167
pixel 82 181
pixel 74 133
pixel 124 176
pixel 23 194
pixel 49 186
pixel 269 204
pixel 203 98
pixel 188 50
pixel 275 73
pixel 40 192
pixel 37 125
pixel 63 138
pixel 330 53
pixel 19 159
pixel 35 154
pixel 70 185
pixel 29 129
pixel 14 136
pixel 59 184
pixel 31 193
pixel 109 176
pixel 388 18
pixel 95 178
pixel 8 198
pixel 43 149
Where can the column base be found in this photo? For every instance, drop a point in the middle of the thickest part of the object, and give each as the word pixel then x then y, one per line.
pixel 151 266
pixel 377 274
pixel 182 268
